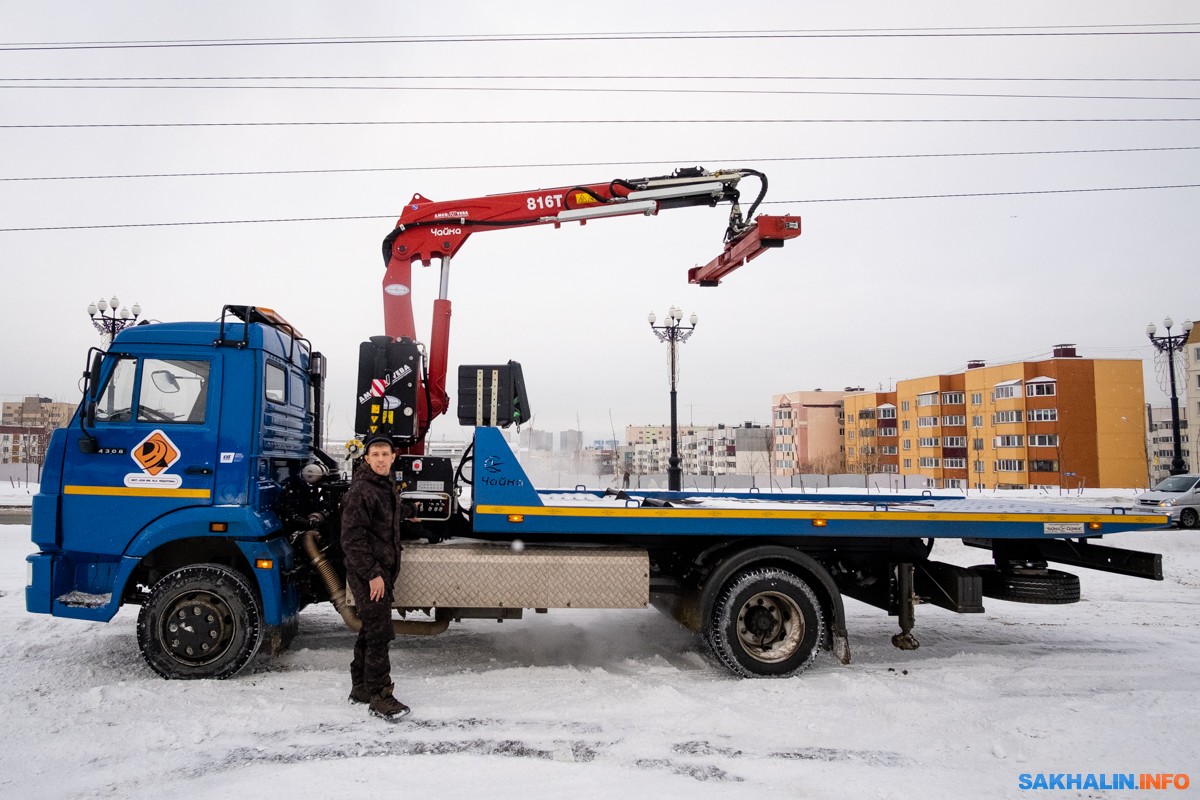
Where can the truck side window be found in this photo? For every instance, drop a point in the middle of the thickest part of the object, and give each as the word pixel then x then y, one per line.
pixel 299 393
pixel 276 383
pixel 173 390
pixel 116 402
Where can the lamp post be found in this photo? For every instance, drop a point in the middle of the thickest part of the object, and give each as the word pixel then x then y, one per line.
pixel 1169 344
pixel 111 324
pixel 673 333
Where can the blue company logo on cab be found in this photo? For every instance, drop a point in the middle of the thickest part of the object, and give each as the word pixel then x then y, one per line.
pixel 1074 781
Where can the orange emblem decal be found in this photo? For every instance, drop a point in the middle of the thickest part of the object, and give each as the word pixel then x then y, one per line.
pixel 156 453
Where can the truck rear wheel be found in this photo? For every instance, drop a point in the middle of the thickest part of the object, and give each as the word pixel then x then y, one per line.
pixel 766 623
pixel 200 622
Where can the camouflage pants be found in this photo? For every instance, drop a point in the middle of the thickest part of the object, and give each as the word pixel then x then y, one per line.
pixel 372 666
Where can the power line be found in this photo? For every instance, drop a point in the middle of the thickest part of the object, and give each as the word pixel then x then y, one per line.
pixel 642 77
pixel 552 165
pixel 588 90
pixel 767 202
pixel 848 33
pixel 408 122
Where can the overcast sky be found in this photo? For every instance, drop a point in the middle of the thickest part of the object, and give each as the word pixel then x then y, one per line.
pixel 874 291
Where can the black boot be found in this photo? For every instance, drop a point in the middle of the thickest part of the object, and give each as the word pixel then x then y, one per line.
pixel 384 705
pixel 359 693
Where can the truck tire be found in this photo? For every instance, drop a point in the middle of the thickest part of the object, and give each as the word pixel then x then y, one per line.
pixel 201 621
pixel 766 623
pixel 1046 587
pixel 1188 518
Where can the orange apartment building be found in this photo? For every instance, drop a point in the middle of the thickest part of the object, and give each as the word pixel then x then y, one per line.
pixel 1064 422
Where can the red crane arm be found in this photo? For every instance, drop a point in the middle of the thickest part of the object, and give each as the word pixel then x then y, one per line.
pixel 430 230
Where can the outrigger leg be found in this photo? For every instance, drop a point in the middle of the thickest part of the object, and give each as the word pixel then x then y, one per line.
pixel 906 606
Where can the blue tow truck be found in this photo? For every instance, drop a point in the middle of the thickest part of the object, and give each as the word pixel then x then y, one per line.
pixel 191 483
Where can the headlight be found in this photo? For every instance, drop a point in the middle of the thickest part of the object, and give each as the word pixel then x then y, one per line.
pixel 1167 503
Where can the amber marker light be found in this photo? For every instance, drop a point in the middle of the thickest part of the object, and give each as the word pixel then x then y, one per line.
pixel 218 527
pixel 1095 526
pixel 516 517
pixel 820 523
pixel 264 563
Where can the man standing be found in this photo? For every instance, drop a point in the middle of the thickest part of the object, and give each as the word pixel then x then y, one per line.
pixel 370 541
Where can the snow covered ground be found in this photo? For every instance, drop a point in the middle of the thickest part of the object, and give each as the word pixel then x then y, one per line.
pixel 587 704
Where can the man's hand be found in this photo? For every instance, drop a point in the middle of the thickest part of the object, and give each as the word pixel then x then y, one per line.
pixel 377 588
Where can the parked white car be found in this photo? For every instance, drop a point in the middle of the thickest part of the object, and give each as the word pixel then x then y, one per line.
pixel 1179 496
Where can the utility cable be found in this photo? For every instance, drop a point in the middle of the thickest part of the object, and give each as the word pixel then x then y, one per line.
pixel 766 202
pixel 413 122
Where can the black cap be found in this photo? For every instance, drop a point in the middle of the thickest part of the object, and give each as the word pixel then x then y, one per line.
pixel 378 438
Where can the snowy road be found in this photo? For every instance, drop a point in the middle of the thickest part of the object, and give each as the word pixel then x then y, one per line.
pixel 588 704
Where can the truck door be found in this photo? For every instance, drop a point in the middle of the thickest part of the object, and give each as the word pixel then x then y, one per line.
pixel 156 427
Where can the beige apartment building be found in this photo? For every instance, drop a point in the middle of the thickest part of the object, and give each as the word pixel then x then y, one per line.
pixel 807 432
pixel 37 412
pixel 1065 422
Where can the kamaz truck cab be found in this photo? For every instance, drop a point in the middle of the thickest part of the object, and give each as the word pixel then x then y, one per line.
pixel 205 424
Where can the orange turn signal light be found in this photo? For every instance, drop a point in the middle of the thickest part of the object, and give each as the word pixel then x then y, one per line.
pixel 264 563
pixel 218 527
pixel 516 517
pixel 1095 526
pixel 820 523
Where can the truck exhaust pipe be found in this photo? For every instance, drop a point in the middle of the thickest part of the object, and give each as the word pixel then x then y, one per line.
pixel 337 595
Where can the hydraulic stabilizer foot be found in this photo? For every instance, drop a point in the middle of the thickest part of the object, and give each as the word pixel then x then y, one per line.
pixel 906 608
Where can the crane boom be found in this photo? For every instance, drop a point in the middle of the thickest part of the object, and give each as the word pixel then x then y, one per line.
pixel 429 230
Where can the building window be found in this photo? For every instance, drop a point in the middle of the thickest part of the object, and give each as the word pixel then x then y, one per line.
pixel 954 419
pixel 1043 440
pixel 889 468
pixel 1043 415
pixel 977 421
pixel 866 413
pixel 977 444
pixel 977 466
pixel 1005 417
pixel 1005 392
pixel 1043 466
pixel 889 450
pixel 904 405
pixel 927 399
pixel 1043 389
pixel 955 463
pixel 952 398
pixel 867 433
pixel 908 463
pixel 1010 465
pixel 929 441
pixel 849 451
pixel 976 398
pixel 908 444
pixel 929 461
pixel 927 422
pixel 887 413
pixel 904 424
pixel 955 441
pixel 955 483
pixel 1007 441
pixel 887 431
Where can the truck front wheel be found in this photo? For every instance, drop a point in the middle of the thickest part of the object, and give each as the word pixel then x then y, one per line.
pixel 766 623
pixel 1188 518
pixel 200 622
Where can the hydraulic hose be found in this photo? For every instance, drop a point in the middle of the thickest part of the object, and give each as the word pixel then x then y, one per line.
pixel 337 595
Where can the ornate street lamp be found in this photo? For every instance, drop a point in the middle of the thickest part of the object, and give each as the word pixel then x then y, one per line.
pixel 111 324
pixel 1169 344
pixel 673 333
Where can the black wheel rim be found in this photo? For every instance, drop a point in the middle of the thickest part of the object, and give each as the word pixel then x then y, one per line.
pixel 197 628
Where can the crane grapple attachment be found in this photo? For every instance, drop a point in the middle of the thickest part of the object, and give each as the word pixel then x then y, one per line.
pixel 763 234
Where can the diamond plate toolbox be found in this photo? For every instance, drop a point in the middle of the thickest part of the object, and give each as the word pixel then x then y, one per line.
pixel 497 576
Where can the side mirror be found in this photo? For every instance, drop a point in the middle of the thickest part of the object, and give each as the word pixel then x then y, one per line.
pixel 93 374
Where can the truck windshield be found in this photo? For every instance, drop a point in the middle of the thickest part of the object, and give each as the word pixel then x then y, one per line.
pixel 1177 483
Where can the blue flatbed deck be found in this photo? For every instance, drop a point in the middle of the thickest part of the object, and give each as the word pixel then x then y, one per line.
pixel 505 502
